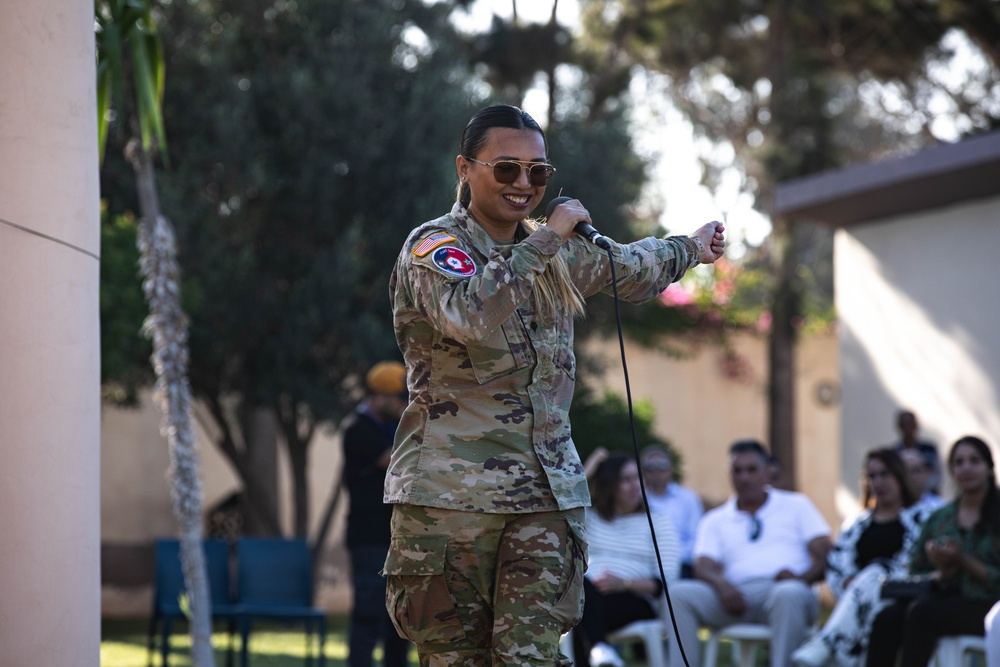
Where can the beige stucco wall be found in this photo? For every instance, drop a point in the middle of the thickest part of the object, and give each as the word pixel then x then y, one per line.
pixel 135 494
pixel 919 314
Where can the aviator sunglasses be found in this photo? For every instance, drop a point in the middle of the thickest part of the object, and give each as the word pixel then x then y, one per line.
pixel 508 171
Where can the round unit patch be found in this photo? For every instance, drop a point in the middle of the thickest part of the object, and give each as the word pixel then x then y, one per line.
pixel 454 261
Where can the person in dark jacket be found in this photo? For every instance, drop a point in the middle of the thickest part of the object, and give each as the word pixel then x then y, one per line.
pixel 367 445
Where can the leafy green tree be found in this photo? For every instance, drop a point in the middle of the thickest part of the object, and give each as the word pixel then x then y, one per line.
pixel 782 83
pixel 125 351
pixel 603 421
pixel 308 138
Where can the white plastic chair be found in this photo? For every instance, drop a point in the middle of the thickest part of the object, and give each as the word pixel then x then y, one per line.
pixel 746 639
pixel 953 651
pixel 650 632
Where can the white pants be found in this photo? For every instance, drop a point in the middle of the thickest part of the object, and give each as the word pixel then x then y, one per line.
pixel 849 626
pixel 993 636
pixel 788 607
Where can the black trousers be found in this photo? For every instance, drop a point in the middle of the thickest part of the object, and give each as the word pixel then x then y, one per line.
pixel 370 623
pixel 916 627
pixel 603 614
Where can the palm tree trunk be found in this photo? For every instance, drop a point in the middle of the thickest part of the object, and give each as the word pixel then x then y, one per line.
pixel 167 326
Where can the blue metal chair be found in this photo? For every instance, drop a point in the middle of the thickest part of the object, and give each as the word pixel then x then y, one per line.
pixel 170 587
pixel 275 582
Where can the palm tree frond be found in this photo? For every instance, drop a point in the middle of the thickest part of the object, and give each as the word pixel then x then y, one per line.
pixel 129 24
pixel 104 91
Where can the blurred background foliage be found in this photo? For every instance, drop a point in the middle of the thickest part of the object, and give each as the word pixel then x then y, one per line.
pixel 602 420
pixel 125 351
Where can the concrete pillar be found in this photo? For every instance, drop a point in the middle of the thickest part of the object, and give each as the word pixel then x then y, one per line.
pixel 49 336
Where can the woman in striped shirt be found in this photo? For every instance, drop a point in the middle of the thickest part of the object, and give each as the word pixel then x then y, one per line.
pixel 623 576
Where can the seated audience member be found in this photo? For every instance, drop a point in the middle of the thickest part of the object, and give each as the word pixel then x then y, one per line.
pixel 909 428
pixel 918 472
pixel 594 461
pixel 623 577
pixel 755 560
pixel 681 504
pixel 776 476
pixel 874 545
pixel 960 546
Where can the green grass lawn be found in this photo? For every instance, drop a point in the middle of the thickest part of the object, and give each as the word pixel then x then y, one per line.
pixel 123 644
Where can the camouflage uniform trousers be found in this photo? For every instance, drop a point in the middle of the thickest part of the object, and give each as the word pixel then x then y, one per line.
pixel 474 589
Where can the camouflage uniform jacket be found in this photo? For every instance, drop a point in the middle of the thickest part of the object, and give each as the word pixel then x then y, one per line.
pixel 491 375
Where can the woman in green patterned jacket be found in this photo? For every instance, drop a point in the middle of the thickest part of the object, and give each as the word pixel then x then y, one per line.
pixel 959 547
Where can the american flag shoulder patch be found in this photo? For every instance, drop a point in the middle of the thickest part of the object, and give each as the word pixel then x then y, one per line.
pixel 431 242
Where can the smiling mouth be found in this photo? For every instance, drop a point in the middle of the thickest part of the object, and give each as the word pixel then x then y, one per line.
pixel 520 200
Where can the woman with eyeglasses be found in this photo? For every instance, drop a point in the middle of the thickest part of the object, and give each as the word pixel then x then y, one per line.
pixel 623 575
pixel 870 547
pixel 488 541
pixel 959 547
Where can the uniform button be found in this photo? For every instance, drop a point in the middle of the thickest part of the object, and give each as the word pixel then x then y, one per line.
pixel 534 326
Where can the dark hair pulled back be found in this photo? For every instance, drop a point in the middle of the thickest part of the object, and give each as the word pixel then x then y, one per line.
pixel 477 133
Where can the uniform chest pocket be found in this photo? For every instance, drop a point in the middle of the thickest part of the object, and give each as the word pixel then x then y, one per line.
pixel 556 338
pixel 504 351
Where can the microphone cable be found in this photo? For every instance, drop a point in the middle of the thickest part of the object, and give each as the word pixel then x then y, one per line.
pixel 638 462
pixel 602 242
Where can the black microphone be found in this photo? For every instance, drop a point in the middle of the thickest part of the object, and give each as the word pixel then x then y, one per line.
pixel 582 228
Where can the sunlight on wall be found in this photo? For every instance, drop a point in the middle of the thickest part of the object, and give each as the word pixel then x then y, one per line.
pixel 918 320
pixel 925 366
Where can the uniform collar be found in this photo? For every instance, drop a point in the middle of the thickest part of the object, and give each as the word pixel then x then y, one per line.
pixel 481 241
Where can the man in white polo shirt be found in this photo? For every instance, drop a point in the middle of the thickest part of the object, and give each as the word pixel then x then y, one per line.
pixel 755 559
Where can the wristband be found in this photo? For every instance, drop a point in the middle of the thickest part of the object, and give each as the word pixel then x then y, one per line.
pixel 701 251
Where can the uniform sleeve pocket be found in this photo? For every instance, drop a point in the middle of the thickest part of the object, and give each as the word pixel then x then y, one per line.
pixel 417 595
